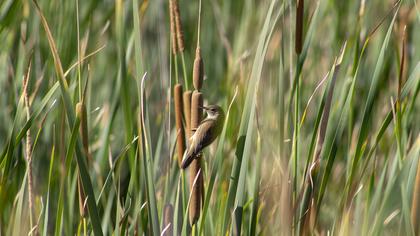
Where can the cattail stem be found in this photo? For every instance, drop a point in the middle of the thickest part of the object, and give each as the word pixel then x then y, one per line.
pixel 196 190
pixel 176 68
pixel 79 52
pixel 180 133
pixel 299 26
pixel 84 226
pixel 199 23
pixel 184 70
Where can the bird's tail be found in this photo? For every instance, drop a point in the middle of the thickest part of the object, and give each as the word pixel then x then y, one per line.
pixel 188 158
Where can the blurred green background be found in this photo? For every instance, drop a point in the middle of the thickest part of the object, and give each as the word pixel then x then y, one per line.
pixel 361 181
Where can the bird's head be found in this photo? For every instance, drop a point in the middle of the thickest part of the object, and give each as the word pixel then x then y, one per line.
pixel 213 111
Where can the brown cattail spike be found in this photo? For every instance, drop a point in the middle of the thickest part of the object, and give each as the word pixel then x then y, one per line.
pixel 178 26
pixel 196 175
pixel 299 26
pixel 198 71
pixel 178 120
pixel 196 111
pixel 187 112
pixel 173 28
pixel 196 183
pixel 168 215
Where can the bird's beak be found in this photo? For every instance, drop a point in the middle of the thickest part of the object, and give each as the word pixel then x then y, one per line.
pixel 203 107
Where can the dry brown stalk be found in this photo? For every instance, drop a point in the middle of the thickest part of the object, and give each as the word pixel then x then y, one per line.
pixel 178 120
pixel 187 112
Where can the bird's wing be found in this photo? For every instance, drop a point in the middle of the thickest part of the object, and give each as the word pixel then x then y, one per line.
pixel 199 140
pixel 199 137
pixel 202 122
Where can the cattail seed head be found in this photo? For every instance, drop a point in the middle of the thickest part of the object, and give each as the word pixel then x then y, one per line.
pixel 198 71
pixel 187 111
pixel 178 26
pixel 173 28
pixel 299 26
pixel 196 111
pixel 196 171
pixel 168 215
pixel 178 120
pixel 196 183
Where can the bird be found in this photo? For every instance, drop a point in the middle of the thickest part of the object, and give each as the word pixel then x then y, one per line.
pixel 205 134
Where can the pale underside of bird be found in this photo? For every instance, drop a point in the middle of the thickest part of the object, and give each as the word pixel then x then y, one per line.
pixel 205 134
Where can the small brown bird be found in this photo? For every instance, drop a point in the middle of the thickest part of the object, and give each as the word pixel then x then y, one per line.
pixel 205 134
